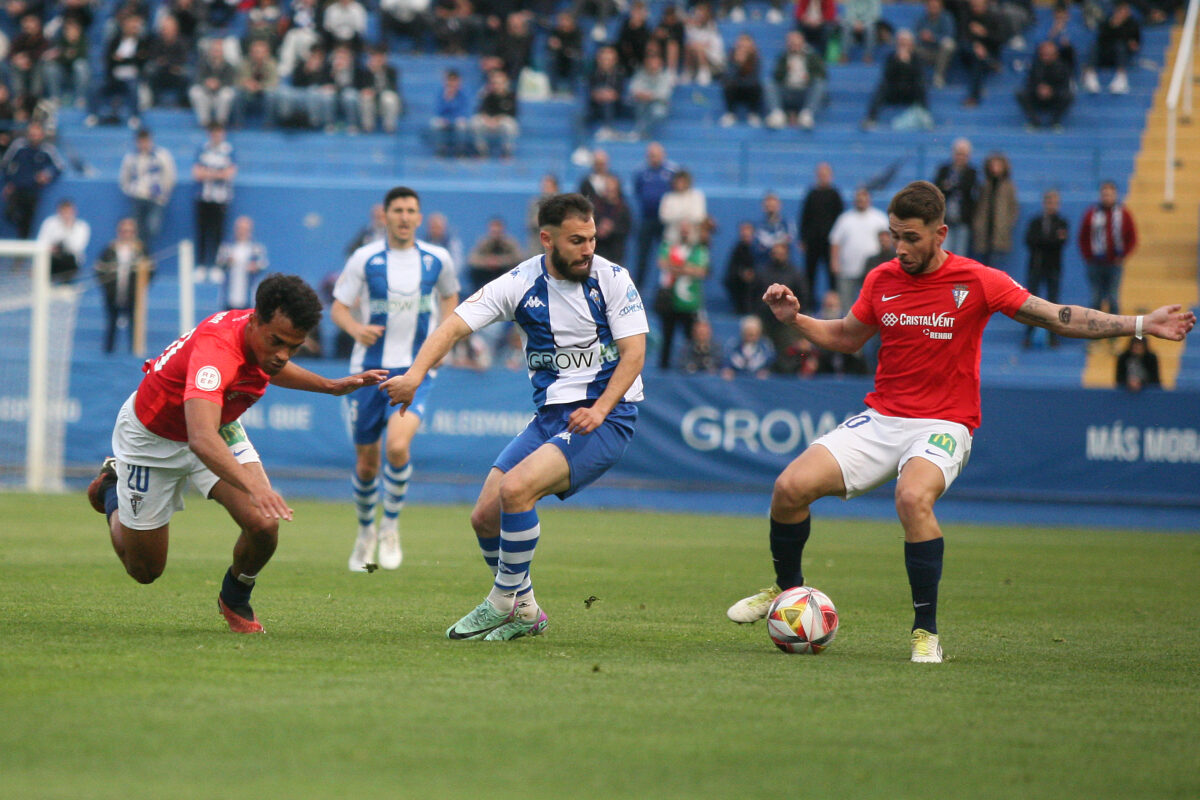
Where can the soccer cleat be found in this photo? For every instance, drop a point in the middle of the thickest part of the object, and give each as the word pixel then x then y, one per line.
pixel 481 621
pixel 238 620
pixel 516 627
pixel 364 549
pixel 389 544
pixel 98 488
pixel 754 607
pixel 926 648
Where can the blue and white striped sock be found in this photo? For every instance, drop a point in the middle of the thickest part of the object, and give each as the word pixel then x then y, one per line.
pixel 490 547
pixel 395 488
pixel 366 497
pixel 518 539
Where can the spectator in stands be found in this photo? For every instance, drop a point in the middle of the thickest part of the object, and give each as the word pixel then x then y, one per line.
pixel 344 22
pixel 831 362
pixel 437 231
pixel 682 267
pixel 257 86
pixel 67 237
pixel 508 47
pixel 30 164
pixel 547 189
pixel 213 89
pixel 855 235
pixel 635 37
pixel 80 11
pixel 742 84
pixel 168 64
pixel 451 116
pixel 741 278
pixel 650 184
pixel 669 35
pixel 860 21
pixel 347 80
pixel 407 20
pixel 702 356
pixel 600 11
pixel 606 93
pixel 124 58
pixel 750 353
pixel 996 213
pixel 1137 366
pixel 704 49
pixel 902 82
pixel 188 17
pixel 817 21
pixel 116 271
pixel 9 115
pixel 1107 236
pixel 147 177
pixel 564 48
pixel 1044 240
pixel 218 16
pixel 1060 34
pixel 25 57
pixel 495 252
pixel 959 183
pixel 773 229
pixel 983 35
pixel 66 69
pixel 307 99
pixel 373 231
pixel 380 93
pixel 778 268
pixel 264 22
pixel 213 172
pixel 650 91
pixel 454 26
pixel 800 79
pixel 1118 41
pixel 303 34
pixel 495 119
pixel 243 261
pixel 936 35
pixel 596 181
pixel 684 203
pixel 614 221
pixel 819 211
pixel 1047 89
pixel 885 251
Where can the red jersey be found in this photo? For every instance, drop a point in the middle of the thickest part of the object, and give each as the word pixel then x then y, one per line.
pixel 930 330
pixel 210 361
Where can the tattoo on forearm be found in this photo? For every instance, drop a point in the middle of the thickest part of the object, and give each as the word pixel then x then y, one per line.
pixel 1064 315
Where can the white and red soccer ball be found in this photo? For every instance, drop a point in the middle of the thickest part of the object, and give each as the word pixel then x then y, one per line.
pixel 802 620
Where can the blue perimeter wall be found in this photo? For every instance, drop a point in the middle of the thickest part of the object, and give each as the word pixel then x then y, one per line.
pixel 1062 457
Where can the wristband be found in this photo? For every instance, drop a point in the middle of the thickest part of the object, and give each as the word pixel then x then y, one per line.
pixel 1137 326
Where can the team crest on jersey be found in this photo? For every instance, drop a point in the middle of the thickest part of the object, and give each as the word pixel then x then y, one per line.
pixel 595 295
pixel 960 294
pixel 135 502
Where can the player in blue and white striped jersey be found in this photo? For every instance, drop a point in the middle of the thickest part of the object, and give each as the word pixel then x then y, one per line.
pixel 583 328
pixel 390 295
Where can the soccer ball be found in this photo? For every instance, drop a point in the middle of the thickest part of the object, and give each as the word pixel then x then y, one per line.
pixel 802 620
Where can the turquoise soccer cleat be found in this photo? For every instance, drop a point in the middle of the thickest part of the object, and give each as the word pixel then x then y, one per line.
pixel 516 627
pixel 481 621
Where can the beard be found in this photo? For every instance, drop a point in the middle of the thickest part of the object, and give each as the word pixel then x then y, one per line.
pixel 564 267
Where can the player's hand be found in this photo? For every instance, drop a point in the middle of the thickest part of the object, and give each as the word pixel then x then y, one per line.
pixel 782 302
pixel 346 385
pixel 367 335
pixel 271 504
pixel 1169 322
pixel 400 390
pixel 585 420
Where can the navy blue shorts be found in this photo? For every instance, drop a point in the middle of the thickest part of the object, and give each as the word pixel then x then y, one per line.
pixel 588 455
pixel 367 411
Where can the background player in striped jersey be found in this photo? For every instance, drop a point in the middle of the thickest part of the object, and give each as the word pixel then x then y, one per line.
pixel 930 307
pixel 390 295
pixel 583 331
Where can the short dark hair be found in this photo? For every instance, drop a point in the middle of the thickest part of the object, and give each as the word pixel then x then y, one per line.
pixel 400 191
pixel 290 296
pixel 143 133
pixel 555 209
pixel 920 199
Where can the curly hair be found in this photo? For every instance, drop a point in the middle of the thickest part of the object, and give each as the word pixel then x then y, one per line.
pixel 290 296
pixel 555 209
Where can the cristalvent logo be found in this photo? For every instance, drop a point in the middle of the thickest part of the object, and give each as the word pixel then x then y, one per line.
pixel 933 325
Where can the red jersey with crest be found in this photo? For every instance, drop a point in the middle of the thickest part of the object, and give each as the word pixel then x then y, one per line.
pixel 930 330
pixel 210 361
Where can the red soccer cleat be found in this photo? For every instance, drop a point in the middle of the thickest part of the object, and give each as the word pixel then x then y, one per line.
pixel 99 485
pixel 238 623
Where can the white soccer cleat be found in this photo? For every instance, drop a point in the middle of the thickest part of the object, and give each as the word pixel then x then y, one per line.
pixel 926 647
pixel 364 549
pixel 754 607
pixel 389 544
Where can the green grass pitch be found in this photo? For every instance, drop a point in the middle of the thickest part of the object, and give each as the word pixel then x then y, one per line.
pixel 1072 673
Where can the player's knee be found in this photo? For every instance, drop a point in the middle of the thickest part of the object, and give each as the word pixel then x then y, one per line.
pixel 143 572
pixel 397 455
pixel 790 494
pixel 515 495
pixel 263 529
pixel 913 501
pixel 485 523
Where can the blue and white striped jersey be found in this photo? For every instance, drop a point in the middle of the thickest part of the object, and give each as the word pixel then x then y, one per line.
pixel 396 289
pixel 569 330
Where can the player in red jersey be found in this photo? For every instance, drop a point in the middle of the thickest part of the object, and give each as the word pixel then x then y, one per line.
pixel 182 423
pixel 929 307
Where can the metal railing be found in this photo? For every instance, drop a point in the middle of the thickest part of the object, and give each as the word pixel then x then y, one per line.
pixel 1182 78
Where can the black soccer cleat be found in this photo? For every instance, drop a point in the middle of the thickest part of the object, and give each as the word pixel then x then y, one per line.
pixel 98 488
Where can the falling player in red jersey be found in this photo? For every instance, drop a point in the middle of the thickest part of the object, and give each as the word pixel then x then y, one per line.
pixel 929 307
pixel 182 423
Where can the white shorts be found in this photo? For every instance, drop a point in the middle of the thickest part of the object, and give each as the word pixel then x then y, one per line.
pixel 152 471
pixel 872 448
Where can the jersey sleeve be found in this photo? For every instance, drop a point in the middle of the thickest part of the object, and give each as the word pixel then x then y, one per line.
pixel 494 301
pixel 211 367
pixel 1003 293
pixel 349 286
pixel 447 282
pixel 625 309
pixel 863 308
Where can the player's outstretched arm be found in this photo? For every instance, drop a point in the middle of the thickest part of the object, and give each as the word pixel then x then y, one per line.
pixel 401 389
pixel 846 335
pixel 294 376
pixel 631 357
pixel 1165 322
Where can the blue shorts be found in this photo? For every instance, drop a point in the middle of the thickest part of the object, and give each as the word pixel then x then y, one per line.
pixel 588 455
pixel 367 411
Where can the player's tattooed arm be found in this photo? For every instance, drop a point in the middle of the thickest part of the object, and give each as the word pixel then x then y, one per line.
pixel 1076 321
